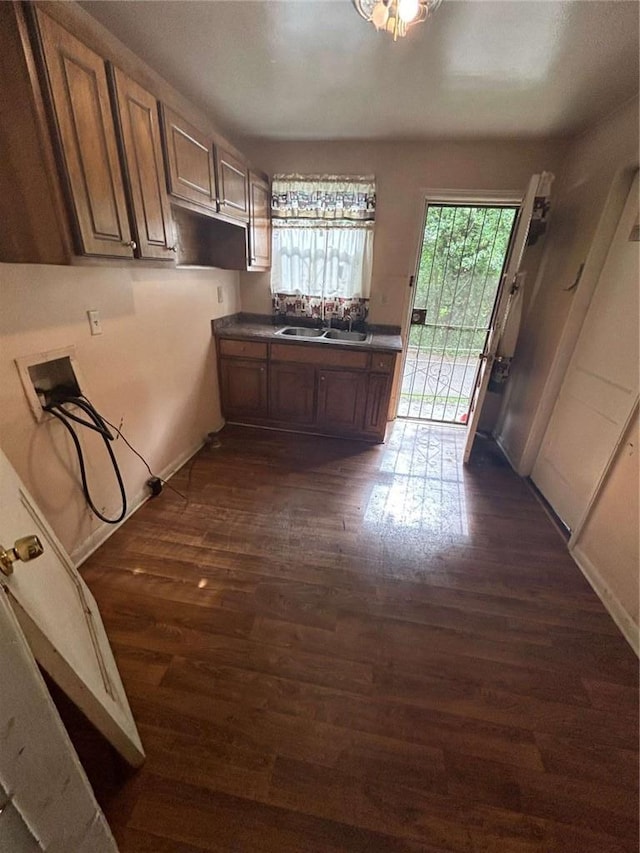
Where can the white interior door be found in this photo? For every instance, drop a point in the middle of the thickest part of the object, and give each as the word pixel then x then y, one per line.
pixel 61 621
pixel 600 389
pixel 46 802
pixel 505 320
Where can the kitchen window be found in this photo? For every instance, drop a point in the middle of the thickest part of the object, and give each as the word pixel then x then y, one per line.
pixel 322 245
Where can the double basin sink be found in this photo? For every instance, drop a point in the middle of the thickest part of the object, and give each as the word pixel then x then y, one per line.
pixel 336 335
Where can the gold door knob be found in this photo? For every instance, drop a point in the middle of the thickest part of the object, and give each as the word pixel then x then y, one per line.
pixel 25 549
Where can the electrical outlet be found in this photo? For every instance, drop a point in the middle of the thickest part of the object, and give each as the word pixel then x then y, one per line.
pixel 94 322
pixel 220 294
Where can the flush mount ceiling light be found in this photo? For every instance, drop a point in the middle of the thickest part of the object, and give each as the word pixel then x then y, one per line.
pixel 396 16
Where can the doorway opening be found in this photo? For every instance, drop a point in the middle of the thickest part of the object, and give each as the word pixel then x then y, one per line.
pixel 464 248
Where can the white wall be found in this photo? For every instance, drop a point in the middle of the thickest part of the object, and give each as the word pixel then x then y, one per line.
pixel 588 198
pixel 608 546
pixel 404 172
pixel 153 366
pixel 594 185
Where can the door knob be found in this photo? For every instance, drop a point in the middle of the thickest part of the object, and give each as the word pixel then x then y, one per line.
pixel 25 549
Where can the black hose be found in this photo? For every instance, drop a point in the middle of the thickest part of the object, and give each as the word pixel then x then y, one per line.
pixel 96 423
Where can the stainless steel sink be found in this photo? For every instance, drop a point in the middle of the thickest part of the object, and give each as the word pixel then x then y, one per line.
pixel 339 335
pixel 300 332
pixel 323 334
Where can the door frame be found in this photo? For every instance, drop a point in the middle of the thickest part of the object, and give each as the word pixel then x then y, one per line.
pixel 480 198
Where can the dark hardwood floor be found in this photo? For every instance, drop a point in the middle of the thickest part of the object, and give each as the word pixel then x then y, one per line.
pixel 338 647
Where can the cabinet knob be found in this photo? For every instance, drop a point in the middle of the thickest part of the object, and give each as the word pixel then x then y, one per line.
pixel 172 248
pixel 131 244
pixel 322 378
pixel 262 370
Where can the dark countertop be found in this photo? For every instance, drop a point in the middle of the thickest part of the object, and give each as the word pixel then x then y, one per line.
pixel 264 331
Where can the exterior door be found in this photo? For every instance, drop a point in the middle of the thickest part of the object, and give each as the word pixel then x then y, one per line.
pixel 46 802
pixel 461 264
pixel 61 621
pixel 600 389
pixel 502 326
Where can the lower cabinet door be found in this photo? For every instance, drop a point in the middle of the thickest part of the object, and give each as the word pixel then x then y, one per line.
pixel 376 410
pixel 292 390
pixel 341 400
pixel 243 388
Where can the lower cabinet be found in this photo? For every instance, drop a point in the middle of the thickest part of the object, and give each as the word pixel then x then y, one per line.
pixel 292 393
pixel 306 388
pixel 243 386
pixel 377 405
pixel 341 400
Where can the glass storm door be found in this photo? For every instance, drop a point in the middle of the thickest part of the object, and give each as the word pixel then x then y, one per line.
pixel 460 268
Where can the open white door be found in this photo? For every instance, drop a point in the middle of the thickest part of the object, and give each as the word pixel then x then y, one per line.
pixel 600 389
pixel 505 321
pixel 61 621
pixel 46 802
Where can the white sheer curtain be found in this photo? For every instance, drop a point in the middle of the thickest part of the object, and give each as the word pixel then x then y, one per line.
pixel 322 261
pixel 323 235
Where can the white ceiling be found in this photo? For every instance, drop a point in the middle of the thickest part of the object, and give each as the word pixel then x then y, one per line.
pixel 313 69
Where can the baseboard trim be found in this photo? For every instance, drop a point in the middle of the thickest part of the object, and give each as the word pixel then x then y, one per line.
pixel 100 536
pixel 623 620
pixel 505 453
pixel 630 631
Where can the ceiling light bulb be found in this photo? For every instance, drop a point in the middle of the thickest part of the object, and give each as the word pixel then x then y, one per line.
pixel 380 15
pixel 408 10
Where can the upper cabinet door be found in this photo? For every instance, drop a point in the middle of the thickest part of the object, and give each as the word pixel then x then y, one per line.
pixel 137 113
pixel 259 224
pixel 233 185
pixel 189 161
pixel 80 96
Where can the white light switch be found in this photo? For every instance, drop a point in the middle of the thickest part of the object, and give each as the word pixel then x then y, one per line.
pixel 220 293
pixel 94 322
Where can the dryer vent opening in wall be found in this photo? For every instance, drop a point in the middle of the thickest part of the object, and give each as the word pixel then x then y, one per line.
pixel 54 379
pixel 47 376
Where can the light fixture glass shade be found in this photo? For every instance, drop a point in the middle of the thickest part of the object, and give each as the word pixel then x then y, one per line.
pixel 395 16
pixel 380 15
pixel 408 10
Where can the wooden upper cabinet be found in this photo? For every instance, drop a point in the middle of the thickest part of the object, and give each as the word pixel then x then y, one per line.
pixel 137 115
pixel 259 223
pixel 233 185
pixel 80 98
pixel 189 161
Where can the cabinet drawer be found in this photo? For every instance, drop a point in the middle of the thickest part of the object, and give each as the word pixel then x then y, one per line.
pixel 243 349
pixel 323 355
pixel 383 362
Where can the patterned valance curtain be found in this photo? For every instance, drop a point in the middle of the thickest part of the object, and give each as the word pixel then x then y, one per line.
pixel 323 236
pixel 330 198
